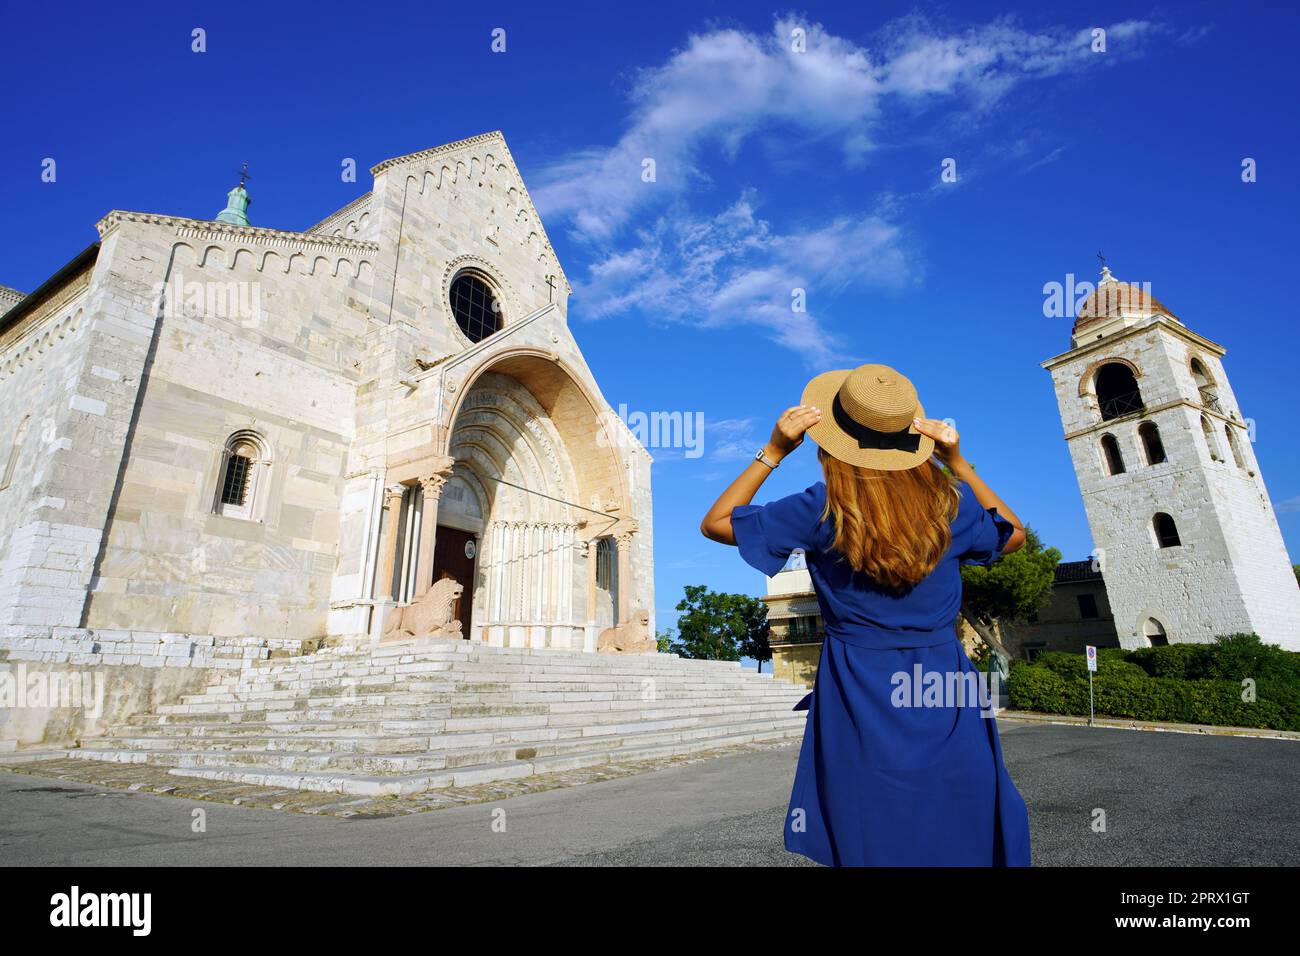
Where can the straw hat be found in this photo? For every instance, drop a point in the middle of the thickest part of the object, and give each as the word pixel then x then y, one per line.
pixel 867 417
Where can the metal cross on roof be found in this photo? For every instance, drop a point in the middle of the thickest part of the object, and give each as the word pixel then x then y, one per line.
pixel 243 174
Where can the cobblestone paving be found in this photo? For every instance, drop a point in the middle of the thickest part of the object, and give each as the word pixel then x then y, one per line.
pixel 157 780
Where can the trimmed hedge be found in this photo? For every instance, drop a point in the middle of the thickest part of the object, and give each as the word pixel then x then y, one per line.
pixel 1181 683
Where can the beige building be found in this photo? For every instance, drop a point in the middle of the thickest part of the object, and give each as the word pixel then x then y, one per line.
pixel 218 432
pixel 1077 614
pixel 795 621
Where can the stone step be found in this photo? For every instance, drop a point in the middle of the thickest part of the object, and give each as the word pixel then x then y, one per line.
pixel 321 688
pixel 450 737
pixel 393 711
pixel 477 753
pixel 460 677
pixel 534 661
pixel 429 714
pixel 455 721
pixel 520 696
pixel 378 785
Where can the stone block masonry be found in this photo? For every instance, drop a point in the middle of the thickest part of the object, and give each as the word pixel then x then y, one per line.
pixel 232 441
pixel 1185 533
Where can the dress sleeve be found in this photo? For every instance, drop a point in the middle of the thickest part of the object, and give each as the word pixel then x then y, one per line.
pixel 766 534
pixel 989 536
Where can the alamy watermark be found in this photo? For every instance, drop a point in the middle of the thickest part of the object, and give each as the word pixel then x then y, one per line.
pixel 1066 300
pixel 237 300
pixel 82 690
pixel 75 908
pixel 921 688
pixel 656 429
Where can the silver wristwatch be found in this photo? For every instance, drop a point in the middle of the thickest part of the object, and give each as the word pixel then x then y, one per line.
pixel 760 457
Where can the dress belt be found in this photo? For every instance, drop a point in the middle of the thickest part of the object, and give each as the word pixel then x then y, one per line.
pixel 885 639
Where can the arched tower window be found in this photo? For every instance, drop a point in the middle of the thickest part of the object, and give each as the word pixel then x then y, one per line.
pixel 1117 391
pixel 1211 442
pixel 1233 446
pixel 20 435
pixel 1154 632
pixel 475 305
pixel 1152 447
pixel 1111 453
pixel 1205 387
pixel 243 463
pixel 1166 532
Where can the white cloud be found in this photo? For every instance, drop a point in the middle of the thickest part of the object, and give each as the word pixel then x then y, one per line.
pixel 650 250
pixel 718 90
pixel 729 439
pixel 726 85
pixel 733 270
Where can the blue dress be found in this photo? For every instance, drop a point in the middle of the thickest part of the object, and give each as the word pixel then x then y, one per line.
pixel 901 764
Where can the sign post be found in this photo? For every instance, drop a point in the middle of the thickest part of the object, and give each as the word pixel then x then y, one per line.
pixel 1091 653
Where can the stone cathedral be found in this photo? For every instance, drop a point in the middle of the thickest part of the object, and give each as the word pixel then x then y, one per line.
pixel 223 432
pixel 1185 533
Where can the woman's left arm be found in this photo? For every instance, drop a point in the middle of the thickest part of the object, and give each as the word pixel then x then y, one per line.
pixel 787 435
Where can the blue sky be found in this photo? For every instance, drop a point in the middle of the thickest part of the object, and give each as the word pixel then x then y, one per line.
pixel 774 170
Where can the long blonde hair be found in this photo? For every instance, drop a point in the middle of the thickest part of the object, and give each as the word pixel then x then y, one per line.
pixel 893 526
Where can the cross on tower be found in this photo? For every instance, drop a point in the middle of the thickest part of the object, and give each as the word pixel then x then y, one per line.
pixel 243 175
pixel 1102 258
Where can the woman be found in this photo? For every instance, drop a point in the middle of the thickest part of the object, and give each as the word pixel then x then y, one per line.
pixel 901 763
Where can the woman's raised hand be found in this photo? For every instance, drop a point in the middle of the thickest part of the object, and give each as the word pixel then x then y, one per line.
pixel 787 434
pixel 946 440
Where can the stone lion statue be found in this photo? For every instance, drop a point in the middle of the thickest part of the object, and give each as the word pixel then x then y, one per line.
pixel 631 637
pixel 432 615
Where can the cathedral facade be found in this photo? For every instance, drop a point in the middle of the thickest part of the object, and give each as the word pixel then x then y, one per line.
pixel 1184 530
pixel 223 432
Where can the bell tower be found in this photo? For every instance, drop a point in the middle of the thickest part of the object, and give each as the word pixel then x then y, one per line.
pixel 1185 534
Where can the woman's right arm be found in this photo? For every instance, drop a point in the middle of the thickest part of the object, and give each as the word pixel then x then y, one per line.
pixel 948 451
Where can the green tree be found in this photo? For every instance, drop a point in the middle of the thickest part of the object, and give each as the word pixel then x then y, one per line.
pixel 1296 569
pixel 664 642
pixel 1010 589
pixel 757 645
pixel 718 626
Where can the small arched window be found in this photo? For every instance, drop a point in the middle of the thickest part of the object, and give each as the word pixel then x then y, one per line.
pixel 20 435
pixel 1152 447
pixel 1117 391
pixel 1111 453
pixel 1211 442
pixel 1154 632
pixel 1233 446
pixel 243 463
pixel 1206 391
pixel 475 306
pixel 1166 532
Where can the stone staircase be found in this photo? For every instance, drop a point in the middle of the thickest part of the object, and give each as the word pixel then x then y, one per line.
pixel 426 715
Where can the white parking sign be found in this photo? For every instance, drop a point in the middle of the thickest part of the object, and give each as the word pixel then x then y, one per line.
pixel 1092 657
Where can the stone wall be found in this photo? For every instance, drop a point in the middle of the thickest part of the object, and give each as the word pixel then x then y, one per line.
pixel 336 350
pixel 796 663
pixel 81 392
pixel 257 332
pixel 435 214
pixel 138 671
pixel 1230 573
pixel 1060 626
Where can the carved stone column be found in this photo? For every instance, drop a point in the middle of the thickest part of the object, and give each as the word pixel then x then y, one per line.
pixel 588 550
pixel 432 486
pixel 624 543
pixel 389 545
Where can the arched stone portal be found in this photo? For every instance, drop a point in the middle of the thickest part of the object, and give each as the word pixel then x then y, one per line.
pixel 530 502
